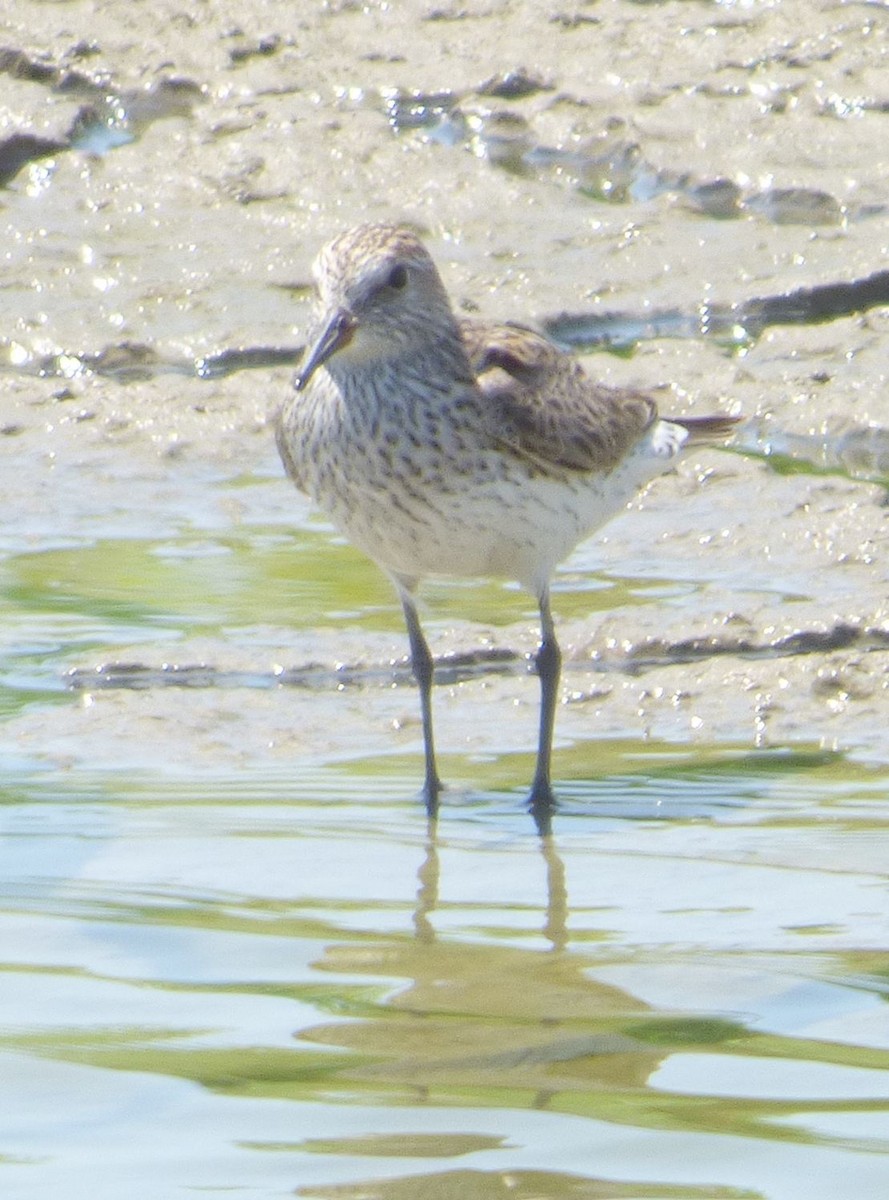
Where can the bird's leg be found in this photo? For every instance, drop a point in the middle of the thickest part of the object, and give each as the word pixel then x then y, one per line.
pixel 422 664
pixel 549 668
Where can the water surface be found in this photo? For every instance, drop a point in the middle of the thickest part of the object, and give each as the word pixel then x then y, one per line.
pixel 235 957
pixel 278 978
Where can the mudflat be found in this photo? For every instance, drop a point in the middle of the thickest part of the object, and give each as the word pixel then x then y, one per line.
pixel 168 176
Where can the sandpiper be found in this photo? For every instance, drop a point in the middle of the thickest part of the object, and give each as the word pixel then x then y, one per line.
pixel 460 448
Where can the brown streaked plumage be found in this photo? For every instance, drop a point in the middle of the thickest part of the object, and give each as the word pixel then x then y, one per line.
pixel 533 388
pixel 466 448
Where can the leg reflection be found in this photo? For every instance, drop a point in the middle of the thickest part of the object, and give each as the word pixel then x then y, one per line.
pixel 427 892
pixel 555 927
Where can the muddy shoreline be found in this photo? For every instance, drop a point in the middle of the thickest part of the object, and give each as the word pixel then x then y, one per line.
pixel 571 163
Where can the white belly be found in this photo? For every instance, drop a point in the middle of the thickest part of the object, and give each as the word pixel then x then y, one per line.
pixel 515 527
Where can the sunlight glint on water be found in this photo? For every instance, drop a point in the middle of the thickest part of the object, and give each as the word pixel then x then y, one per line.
pixel 350 992
pixel 278 979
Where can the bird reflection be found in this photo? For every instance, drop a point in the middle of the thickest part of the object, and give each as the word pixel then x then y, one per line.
pixel 484 1021
pixel 428 878
pixel 555 925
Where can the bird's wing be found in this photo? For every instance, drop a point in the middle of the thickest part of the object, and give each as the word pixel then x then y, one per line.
pixel 544 407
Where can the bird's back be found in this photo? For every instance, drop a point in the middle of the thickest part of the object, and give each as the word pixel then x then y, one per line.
pixel 543 404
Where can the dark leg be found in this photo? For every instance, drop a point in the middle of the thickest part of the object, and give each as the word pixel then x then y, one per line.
pixel 549 668
pixel 421 661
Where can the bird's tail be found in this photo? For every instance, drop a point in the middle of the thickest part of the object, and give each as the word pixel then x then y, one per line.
pixel 707 429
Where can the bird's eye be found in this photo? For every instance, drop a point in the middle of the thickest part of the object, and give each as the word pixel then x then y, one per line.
pixel 397 278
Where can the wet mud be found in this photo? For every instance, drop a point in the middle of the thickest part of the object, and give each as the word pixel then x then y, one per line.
pixel 691 195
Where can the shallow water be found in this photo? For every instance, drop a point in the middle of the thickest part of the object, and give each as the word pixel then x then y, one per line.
pixel 235 956
pixel 277 978
pixel 289 984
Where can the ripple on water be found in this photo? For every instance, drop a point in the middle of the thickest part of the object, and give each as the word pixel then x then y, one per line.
pixel 691 969
pixel 266 973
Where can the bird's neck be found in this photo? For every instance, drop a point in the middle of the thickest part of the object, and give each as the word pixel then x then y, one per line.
pixel 406 362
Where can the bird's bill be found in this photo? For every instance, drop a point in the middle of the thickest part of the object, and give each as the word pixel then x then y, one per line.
pixel 336 333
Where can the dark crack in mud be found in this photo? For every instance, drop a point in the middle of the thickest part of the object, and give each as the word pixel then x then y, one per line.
pixel 457 667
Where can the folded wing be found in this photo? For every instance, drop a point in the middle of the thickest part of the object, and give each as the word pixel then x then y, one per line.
pixel 544 406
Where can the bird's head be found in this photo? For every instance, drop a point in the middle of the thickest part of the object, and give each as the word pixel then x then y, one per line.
pixel 379 296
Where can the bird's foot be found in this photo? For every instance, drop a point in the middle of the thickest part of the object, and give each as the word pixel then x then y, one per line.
pixel 430 795
pixel 542 805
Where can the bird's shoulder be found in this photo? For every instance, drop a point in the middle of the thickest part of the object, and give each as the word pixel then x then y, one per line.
pixel 543 405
